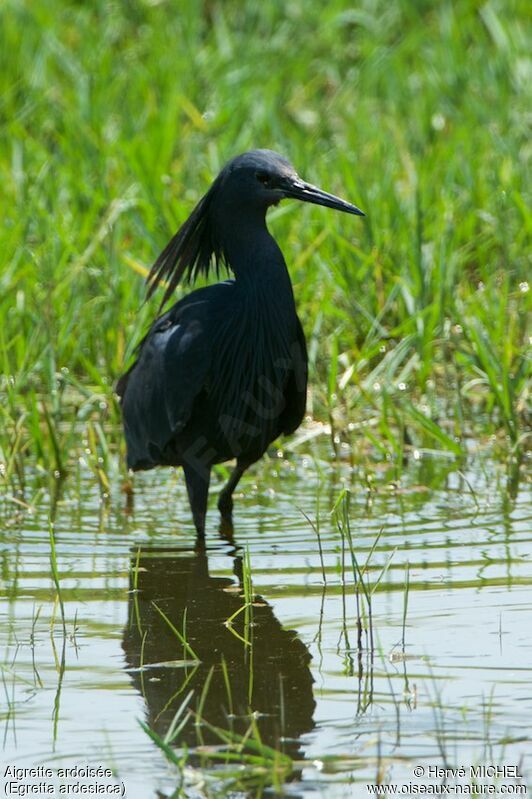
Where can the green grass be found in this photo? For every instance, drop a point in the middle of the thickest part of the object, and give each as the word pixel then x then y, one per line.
pixel 114 118
pixel 240 763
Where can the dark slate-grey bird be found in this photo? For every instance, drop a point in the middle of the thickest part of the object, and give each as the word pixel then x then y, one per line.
pixel 222 373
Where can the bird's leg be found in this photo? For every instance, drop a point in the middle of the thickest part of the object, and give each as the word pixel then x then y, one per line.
pixel 225 500
pixel 226 529
pixel 197 481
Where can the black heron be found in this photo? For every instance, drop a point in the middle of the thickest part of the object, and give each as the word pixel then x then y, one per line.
pixel 223 372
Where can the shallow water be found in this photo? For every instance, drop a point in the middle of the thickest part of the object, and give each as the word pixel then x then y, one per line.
pixel 452 688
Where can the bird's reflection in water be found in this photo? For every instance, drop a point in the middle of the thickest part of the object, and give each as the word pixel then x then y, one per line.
pixel 270 678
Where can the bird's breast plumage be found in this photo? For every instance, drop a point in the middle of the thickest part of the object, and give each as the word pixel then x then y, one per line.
pixel 251 366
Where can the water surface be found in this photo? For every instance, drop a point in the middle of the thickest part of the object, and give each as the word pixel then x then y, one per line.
pixel 450 685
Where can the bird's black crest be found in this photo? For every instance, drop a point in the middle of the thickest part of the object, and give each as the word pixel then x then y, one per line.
pixel 191 252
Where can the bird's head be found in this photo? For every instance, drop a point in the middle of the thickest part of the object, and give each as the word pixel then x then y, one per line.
pixel 246 187
pixel 261 178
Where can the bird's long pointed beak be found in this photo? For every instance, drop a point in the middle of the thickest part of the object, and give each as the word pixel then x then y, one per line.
pixel 300 190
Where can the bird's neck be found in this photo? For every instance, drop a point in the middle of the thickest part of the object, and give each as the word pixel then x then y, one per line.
pixel 254 256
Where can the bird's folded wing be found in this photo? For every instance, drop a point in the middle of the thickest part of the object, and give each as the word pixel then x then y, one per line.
pixel 158 392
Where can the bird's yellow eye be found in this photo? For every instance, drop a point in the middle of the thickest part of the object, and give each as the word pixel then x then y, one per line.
pixel 263 178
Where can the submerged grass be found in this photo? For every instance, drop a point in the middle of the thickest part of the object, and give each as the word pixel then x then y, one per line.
pixel 109 133
pixel 364 589
pixel 238 763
